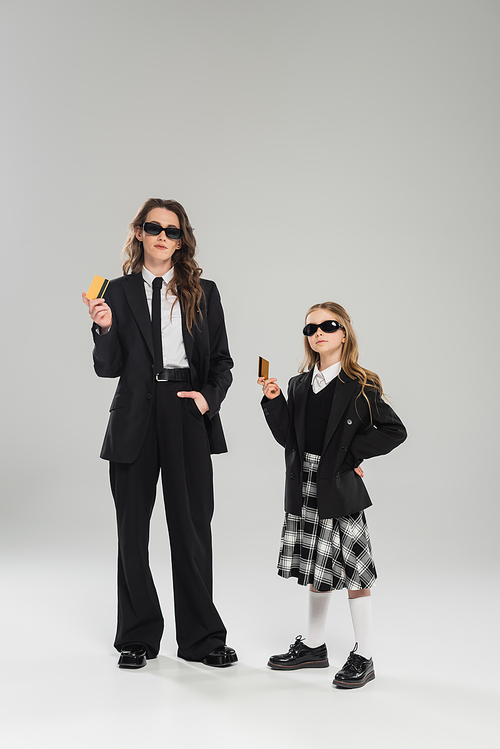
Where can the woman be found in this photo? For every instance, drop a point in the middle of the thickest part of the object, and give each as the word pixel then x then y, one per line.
pixel 334 418
pixel 161 330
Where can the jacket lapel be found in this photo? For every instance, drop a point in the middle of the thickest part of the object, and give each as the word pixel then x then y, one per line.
pixel 187 337
pixel 300 403
pixel 344 391
pixel 136 298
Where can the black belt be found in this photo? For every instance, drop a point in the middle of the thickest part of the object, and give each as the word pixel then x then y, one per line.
pixel 175 375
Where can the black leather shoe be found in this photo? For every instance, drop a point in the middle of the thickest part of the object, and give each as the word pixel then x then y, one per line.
pixel 356 671
pixel 221 657
pixel 132 656
pixel 300 656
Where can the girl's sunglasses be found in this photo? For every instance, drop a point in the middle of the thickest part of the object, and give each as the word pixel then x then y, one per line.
pixel 328 326
pixel 172 232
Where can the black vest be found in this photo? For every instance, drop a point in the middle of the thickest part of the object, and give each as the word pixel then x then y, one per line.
pixel 317 413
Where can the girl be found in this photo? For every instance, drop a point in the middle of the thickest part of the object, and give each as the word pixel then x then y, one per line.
pixel 161 331
pixel 334 418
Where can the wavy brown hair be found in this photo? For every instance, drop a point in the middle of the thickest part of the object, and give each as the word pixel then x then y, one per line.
pixel 185 283
pixel 350 352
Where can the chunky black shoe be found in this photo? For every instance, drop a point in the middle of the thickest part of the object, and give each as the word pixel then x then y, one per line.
pixel 356 671
pixel 221 657
pixel 132 656
pixel 300 656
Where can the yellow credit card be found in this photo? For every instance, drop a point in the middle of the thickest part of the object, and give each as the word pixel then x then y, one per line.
pixel 97 288
pixel 263 368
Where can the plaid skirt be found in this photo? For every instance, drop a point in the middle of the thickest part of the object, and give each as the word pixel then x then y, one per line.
pixel 329 554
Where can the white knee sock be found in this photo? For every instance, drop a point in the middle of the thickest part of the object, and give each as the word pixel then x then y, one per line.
pixel 361 615
pixel 318 610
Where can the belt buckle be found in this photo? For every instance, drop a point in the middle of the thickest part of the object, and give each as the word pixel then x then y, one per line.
pixel 173 379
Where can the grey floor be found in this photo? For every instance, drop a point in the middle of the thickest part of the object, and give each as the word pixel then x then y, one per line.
pixel 436 665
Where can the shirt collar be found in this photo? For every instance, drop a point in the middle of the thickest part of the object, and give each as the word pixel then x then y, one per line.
pixel 327 374
pixel 150 277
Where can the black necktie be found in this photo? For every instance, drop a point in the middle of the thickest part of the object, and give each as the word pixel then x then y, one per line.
pixel 156 318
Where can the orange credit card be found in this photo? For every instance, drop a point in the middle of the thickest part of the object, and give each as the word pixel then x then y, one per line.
pixel 263 368
pixel 97 288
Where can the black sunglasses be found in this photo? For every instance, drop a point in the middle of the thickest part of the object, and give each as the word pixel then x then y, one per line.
pixel 328 326
pixel 172 232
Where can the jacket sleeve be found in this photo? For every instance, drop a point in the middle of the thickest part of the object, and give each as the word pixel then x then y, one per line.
pixel 219 374
pixel 279 415
pixel 108 357
pixel 385 432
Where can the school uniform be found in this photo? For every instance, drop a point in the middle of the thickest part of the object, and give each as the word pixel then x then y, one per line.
pixel 328 428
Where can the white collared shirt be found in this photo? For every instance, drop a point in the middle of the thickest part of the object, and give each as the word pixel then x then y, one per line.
pixel 321 379
pixel 174 352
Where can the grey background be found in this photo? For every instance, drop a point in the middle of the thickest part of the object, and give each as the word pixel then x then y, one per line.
pixel 343 151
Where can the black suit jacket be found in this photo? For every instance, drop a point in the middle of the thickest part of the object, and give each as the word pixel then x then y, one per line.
pixel 126 351
pixel 351 436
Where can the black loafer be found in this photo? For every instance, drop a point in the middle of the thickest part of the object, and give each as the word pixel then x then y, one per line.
pixel 132 656
pixel 356 671
pixel 221 657
pixel 300 656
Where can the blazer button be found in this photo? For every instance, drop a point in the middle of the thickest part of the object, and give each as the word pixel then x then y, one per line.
pixel 344 447
pixel 294 448
pixel 266 412
pixel 337 475
pixel 149 396
pixel 349 421
pixel 292 475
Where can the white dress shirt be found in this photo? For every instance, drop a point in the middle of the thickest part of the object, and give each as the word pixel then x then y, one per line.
pixel 174 353
pixel 321 379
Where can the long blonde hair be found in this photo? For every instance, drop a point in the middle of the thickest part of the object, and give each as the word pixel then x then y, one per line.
pixel 185 283
pixel 350 352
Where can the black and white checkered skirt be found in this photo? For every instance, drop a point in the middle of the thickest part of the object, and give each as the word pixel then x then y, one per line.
pixel 329 554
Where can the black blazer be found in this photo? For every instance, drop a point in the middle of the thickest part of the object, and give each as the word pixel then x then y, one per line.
pixel 351 436
pixel 126 351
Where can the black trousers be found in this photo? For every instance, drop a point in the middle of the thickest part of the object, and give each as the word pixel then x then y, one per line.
pixel 177 444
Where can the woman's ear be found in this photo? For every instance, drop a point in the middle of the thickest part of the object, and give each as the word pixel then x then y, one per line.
pixel 138 233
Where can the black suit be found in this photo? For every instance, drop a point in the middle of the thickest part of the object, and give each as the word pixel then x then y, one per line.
pixel 352 435
pixel 127 352
pixel 151 429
